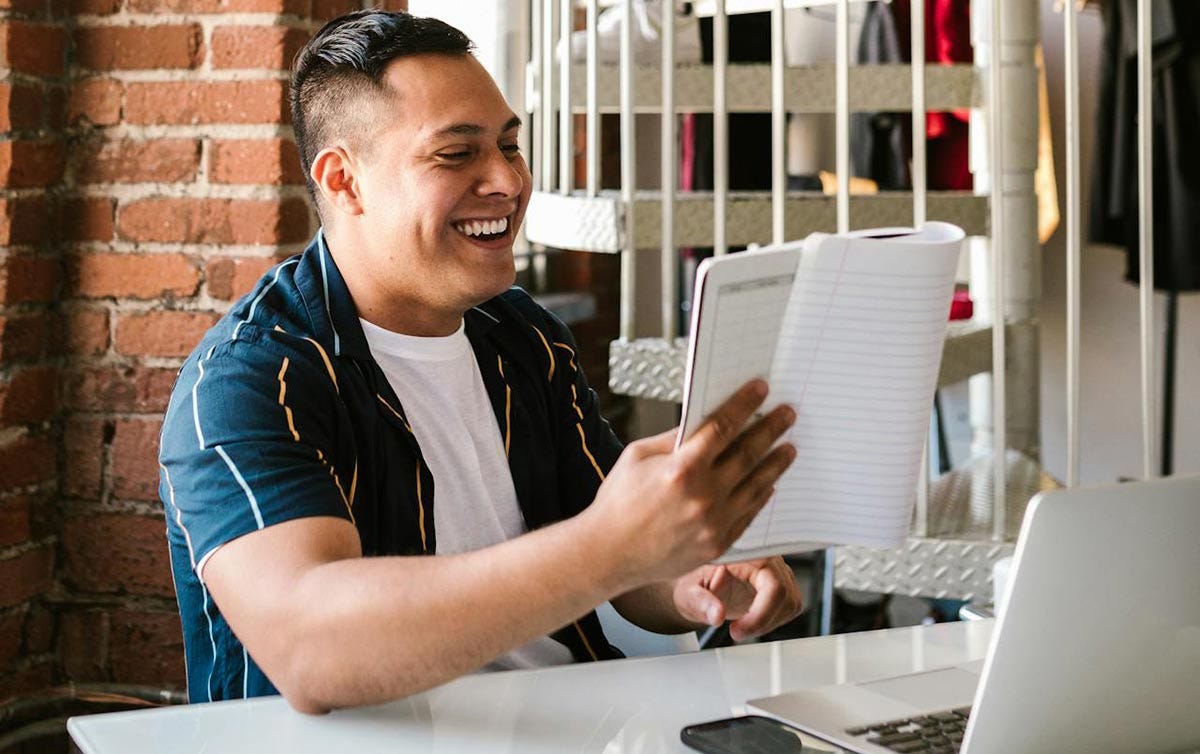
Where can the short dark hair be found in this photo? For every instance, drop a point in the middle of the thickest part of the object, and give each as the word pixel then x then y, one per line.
pixel 346 59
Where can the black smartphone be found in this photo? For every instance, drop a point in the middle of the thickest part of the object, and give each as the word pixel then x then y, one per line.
pixel 751 734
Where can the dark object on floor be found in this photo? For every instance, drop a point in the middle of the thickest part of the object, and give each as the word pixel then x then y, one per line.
pixel 38 724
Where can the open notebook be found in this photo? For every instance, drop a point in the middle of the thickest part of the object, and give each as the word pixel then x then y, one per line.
pixel 848 329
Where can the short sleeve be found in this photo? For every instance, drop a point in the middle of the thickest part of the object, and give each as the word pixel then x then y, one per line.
pixel 249 441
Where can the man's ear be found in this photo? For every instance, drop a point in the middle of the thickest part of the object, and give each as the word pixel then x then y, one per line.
pixel 333 172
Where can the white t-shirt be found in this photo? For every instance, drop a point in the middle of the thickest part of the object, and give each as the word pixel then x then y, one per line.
pixel 475 504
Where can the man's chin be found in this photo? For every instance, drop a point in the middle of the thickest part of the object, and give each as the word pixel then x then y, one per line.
pixel 499 284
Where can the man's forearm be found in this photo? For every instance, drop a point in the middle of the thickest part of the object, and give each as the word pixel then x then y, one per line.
pixel 382 628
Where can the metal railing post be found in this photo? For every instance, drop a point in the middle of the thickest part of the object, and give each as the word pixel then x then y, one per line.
pixel 669 180
pixel 547 99
pixel 778 126
pixel 1074 245
pixel 919 187
pixel 628 174
pixel 843 115
pixel 592 117
pixel 720 128
pixel 1006 270
pixel 566 118
pixel 1146 236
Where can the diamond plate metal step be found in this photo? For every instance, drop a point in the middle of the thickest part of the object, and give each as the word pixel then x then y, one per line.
pixel 955 560
pixel 807 89
pixel 596 223
pixel 654 367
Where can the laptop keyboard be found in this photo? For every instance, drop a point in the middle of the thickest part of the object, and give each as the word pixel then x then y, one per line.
pixel 936 733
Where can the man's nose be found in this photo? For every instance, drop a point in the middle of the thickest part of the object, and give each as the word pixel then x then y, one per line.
pixel 503 175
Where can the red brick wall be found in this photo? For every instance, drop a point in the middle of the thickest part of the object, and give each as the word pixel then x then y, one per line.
pixel 147 178
pixel 33 152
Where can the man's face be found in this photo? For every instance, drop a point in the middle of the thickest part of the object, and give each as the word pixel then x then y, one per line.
pixel 442 184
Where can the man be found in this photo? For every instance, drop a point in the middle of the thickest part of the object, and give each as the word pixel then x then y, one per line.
pixel 386 394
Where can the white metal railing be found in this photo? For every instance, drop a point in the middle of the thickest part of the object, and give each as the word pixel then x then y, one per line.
pixel 628 174
pixel 919 184
pixel 1002 159
pixel 996 246
pixel 1074 244
pixel 566 117
pixel 1146 234
pixel 778 125
pixel 592 124
pixel 669 180
pixel 720 127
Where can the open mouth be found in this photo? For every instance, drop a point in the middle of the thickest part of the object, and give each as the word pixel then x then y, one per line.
pixel 483 230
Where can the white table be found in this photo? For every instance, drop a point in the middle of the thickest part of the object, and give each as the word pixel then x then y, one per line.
pixel 634 706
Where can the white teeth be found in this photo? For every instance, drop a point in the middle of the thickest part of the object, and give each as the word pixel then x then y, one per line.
pixel 481 227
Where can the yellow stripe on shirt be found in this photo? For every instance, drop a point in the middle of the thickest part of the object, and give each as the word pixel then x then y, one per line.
pixel 328 363
pixel 569 350
pixel 420 500
pixel 395 413
pixel 324 357
pixel 588 453
pixel 549 353
pixel 287 410
pixel 579 412
pixel 421 510
pixel 507 407
pixel 337 483
pixel 320 456
pixel 586 644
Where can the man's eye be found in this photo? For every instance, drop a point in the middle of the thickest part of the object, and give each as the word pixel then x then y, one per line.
pixel 454 156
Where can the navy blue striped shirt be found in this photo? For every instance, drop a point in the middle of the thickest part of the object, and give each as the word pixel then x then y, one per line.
pixel 281 413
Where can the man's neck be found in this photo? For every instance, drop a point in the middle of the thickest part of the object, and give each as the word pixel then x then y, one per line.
pixel 385 305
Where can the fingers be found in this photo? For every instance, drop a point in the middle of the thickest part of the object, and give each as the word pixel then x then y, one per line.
pixel 714 597
pixel 753 492
pixel 724 425
pixel 755 504
pixel 715 580
pixel 776 601
pixel 744 454
pixel 696 602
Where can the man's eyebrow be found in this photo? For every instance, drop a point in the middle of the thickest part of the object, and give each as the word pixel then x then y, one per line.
pixel 474 129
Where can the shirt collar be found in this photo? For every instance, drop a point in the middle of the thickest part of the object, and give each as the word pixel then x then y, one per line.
pixel 331 309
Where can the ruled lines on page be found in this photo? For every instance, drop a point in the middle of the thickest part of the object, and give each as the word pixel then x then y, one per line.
pixel 749 315
pixel 857 356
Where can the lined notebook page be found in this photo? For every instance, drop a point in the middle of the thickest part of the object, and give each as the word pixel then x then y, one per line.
pixel 857 356
pixel 739 305
pixel 749 316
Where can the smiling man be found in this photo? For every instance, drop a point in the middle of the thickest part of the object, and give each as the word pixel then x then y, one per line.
pixel 384 468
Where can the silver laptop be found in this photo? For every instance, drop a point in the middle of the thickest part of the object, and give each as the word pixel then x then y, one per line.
pixel 1097 649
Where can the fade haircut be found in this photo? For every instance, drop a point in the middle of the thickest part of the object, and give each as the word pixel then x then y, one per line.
pixel 344 62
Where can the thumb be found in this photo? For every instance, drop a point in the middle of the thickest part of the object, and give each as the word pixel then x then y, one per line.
pixel 696 603
pixel 663 442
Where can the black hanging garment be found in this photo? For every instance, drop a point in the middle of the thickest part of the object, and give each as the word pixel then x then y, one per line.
pixel 881 142
pixel 749 133
pixel 1176 156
